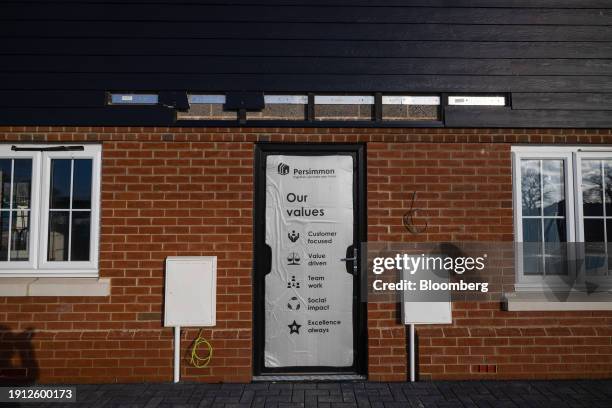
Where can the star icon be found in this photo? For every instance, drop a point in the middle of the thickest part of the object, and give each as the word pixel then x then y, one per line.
pixel 294 328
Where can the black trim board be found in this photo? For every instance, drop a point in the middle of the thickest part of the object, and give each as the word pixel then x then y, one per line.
pixel 454 117
pixel 458 116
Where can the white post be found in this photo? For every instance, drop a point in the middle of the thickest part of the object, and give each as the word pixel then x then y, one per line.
pixel 177 354
pixel 412 355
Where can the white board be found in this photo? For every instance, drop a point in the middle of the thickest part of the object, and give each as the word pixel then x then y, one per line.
pixel 424 312
pixel 191 291
pixel 427 313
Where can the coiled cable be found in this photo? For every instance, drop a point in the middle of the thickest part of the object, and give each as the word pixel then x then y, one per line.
pixel 196 360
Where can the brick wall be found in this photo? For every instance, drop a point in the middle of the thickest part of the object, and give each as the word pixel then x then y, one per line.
pixel 189 192
pixel 464 193
pixel 159 199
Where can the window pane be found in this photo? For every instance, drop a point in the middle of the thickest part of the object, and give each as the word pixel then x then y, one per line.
pixel 532 247
pixel 555 261
pixel 344 107
pixel 4 237
pixel 530 187
pixel 591 188
pixel 595 258
pixel 608 246
pixel 409 112
pixel 532 264
pixel 207 107
pixel 554 187
pixel 5 174
pixel 554 230
pixel 81 188
pixel 282 107
pixel 58 236
pixel 80 236
pixel 20 234
pixel 22 183
pixel 344 112
pixel 60 183
pixel 594 230
pixel 533 260
pixel 555 249
pixel 532 230
pixel 607 165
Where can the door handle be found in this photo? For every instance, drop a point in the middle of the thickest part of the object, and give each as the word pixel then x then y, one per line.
pixel 352 259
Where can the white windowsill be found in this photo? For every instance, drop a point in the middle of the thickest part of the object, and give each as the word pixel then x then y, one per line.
pixel 54 286
pixel 533 301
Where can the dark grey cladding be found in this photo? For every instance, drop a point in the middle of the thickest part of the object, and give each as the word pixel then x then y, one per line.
pixel 552 57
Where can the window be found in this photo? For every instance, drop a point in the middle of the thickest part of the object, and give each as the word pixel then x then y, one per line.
pixel 282 107
pixel 207 107
pixel 344 107
pixel 563 216
pixel 368 109
pixel 49 215
pixel 397 107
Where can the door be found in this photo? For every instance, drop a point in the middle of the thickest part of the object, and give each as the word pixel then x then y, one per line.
pixel 309 222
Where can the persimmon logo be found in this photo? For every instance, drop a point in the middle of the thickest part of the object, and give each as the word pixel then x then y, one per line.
pixel 283 169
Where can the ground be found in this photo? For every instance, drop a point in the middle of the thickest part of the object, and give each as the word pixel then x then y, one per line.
pixel 591 393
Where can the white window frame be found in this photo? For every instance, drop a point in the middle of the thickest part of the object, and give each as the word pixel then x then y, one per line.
pixel 572 156
pixel 23 266
pixel 38 265
pixel 589 154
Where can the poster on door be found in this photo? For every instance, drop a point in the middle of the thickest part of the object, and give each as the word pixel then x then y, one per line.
pixel 308 292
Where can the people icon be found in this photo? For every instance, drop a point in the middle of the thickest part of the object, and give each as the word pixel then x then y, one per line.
pixel 293 283
pixel 293 236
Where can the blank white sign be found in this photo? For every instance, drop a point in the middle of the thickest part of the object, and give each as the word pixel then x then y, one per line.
pixel 418 311
pixel 427 313
pixel 191 291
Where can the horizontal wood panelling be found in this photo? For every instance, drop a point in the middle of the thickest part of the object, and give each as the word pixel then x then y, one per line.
pixel 466 116
pixel 554 56
pixel 302 31
pixel 297 82
pixel 311 65
pixel 333 14
pixel 396 3
pixel 304 48
pixel 549 100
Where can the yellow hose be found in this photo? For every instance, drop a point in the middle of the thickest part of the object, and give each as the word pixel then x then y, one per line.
pixel 196 360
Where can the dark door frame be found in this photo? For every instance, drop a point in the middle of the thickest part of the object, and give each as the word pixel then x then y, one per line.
pixel 262 253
